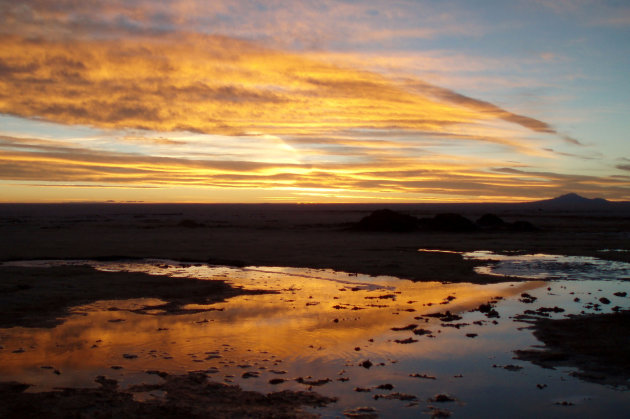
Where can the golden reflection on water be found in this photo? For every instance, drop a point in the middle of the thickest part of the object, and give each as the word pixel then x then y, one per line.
pixel 316 316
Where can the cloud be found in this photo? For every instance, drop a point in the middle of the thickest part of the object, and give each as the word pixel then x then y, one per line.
pixel 247 94
pixel 489 108
pixel 614 187
pixel 611 14
pixel 220 85
pixel 281 23
pixel 591 156
pixel 33 161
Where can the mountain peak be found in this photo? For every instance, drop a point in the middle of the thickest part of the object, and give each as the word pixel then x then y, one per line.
pixel 573 197
pixel 573 201
pixel 570 195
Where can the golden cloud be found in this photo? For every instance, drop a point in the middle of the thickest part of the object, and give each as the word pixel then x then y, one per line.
pixel 33 161
pixel 218 85
pixel 320 125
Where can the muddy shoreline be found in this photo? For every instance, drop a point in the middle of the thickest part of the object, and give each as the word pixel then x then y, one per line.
pixel 596 344
pixel 190 396
pixel 42 297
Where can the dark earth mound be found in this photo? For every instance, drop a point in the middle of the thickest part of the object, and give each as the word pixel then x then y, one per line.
pixel 448 223
pixel 185 396
pixel 597 344
pixel 490 221
pixel 41 297
pixel 386 220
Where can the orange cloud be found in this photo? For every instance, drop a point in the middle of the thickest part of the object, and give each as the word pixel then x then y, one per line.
pixel 34 161
pixel 219 85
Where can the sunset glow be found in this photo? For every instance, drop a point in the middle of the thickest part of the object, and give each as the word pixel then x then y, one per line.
pixel 191 101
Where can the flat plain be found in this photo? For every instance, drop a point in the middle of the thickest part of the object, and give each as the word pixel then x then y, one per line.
pixel 268 240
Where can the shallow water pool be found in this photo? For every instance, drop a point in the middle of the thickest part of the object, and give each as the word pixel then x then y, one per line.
pixel 318 331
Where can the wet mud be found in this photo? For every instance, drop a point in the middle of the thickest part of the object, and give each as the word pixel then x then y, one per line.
pixel 180 396
pixel 41 297
pixel 596 344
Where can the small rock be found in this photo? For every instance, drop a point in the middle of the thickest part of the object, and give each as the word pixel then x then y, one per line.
pixel 509 367
pixel 527 299
pixel 405 341
pixel 320 382
pixel 276 381
pixel 439 413
pixel 442 398
pixel 395 396
pixel 484 308
pixel 492 313
pixel 408 327
pixel 426 376
pixel 361 412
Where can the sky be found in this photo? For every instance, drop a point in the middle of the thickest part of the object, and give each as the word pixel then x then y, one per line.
pixel 313 101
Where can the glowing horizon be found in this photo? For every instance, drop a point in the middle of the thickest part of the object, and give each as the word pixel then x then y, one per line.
pixel 327 102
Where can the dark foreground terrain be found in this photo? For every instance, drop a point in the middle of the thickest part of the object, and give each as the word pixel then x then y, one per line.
pixel 596 344
pixel 317 236
pixel 186 396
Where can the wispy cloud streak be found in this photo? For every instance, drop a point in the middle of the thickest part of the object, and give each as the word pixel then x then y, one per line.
pixel 36 161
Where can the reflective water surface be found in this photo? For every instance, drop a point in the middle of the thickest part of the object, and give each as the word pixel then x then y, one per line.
pixel 321 326
pixel 543 266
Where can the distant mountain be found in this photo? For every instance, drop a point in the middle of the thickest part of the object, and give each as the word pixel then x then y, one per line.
pixel 572 201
